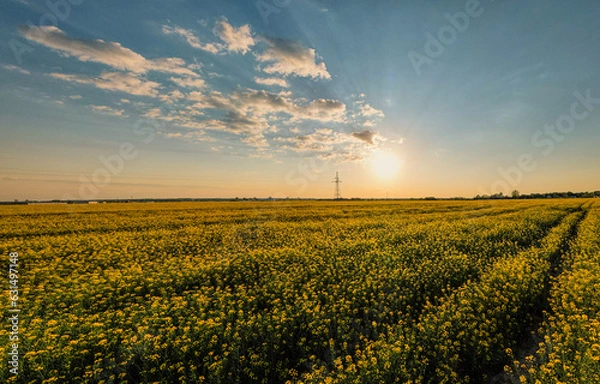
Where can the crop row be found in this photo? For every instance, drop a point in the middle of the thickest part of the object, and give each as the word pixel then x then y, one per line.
pixel 469 336
pixel 570 352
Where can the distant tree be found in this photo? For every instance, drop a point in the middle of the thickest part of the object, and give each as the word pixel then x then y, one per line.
pixel 515 194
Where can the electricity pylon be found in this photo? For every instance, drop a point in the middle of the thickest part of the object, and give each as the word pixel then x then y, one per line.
pixel 338 192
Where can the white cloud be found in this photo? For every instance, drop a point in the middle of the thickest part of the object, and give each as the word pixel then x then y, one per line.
pixel 16 69
pixel 172 96
pixel 115 81
pixel 264 103
pixel 323 110
pixel 157 114
pixel 252 112
pixel 371 116
pixel 272 81
pixel 170 65
pixel 104 52
pixel 257 141
pixel 368 111
pixel 186 82
pixel 195 66
pixel 248 113
pixel 153 113
pixel 237 39
pixel 100 51
pixel 75 97
pixel 335 146
pixel 214 100
pixel 107 110
pixel 320 141
pixel 191 39
pixel 287 57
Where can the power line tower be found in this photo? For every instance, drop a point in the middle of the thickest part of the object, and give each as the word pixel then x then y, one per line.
pixel 338 192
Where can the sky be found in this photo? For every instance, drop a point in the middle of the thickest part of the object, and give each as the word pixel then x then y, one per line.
pixel 271 98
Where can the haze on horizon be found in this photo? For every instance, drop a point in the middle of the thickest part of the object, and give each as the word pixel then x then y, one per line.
pixel 271 98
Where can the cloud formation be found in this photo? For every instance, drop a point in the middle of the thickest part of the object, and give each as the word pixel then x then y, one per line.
pixel 99 51
pixel 170 65
pixel 330 145
pixel 320 140
pixel 236 39
pixel 324 110
pixel 188 103
pixel 171 97
pixel 187 82
pixel 191 39
pixel 233 122
pixel 115 81
pixel 107 110
pixel 370 116
pixel 16 69
pixel 291 58
pixel 368 111
pixel 271 81
pixel 264 103
pixel 257 141
pixel 366 136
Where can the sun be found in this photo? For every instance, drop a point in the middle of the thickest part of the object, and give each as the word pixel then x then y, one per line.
pixel 385 165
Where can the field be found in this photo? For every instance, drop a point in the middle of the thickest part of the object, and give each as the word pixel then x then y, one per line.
pixel 306 292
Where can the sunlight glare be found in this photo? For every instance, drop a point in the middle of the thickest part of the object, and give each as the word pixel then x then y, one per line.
pixel 385 165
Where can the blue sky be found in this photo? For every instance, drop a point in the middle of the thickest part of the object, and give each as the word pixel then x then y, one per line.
pixel 230 98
